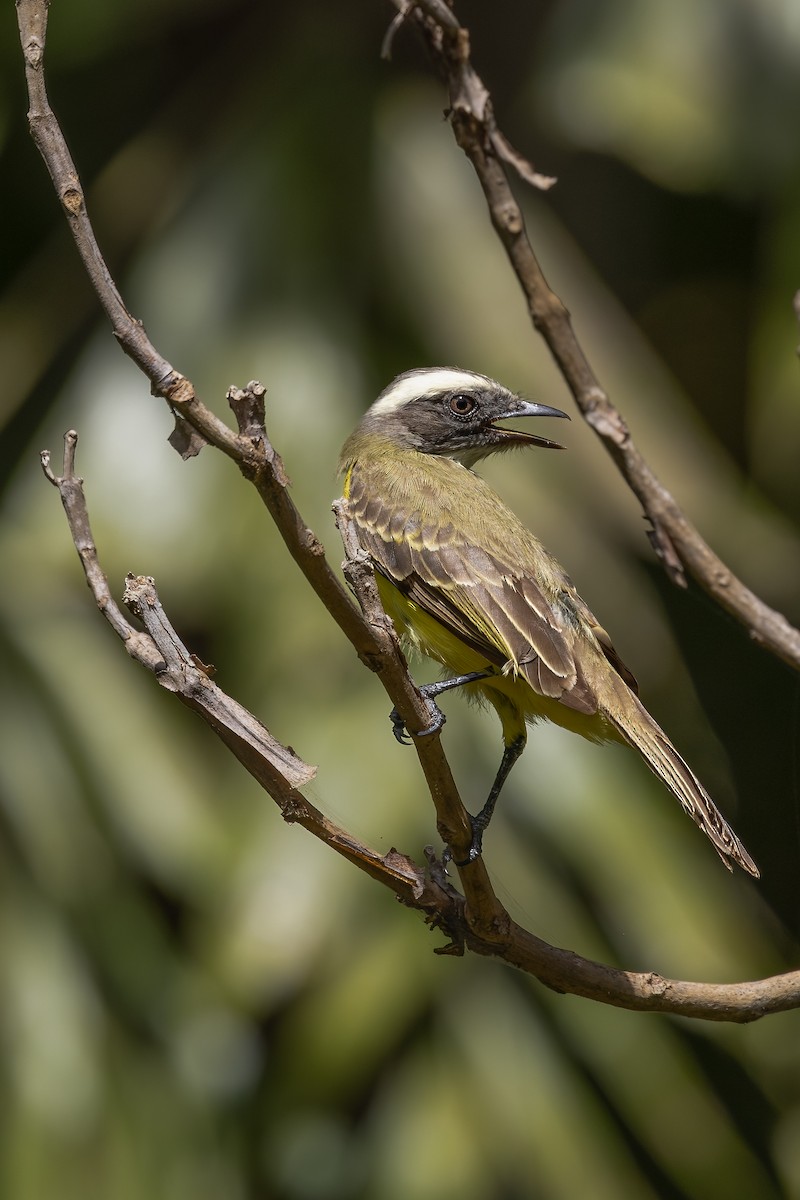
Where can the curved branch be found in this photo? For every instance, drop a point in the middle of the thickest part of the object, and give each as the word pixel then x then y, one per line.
pixel 158 648
pixel 248 448
pixel 675 539
pixel 484 912
pixel 476 921
pixel 258 461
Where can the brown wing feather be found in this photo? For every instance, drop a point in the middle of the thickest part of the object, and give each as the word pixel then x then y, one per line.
pixel 503 615
pixel 524 618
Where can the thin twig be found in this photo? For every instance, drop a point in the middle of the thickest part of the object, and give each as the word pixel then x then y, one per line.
pixel 249 450
pixel 70 488
pixel 476 922
pixel 158 648
pixel 256 458
pixel 484 911
pixel 280 772
pixel 675 539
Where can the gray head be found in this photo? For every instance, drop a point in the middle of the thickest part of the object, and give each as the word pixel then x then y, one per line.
pixel 452 412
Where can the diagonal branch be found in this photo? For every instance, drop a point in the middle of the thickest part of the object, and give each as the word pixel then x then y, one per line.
pixel 248 449
pixel 258 461
pixel 281 773
pixel 376 643
pixel 484 911
pixel 475 921
pixel 158 648
pixel 677 542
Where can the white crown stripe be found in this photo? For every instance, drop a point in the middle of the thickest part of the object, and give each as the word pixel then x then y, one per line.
pixel 429 382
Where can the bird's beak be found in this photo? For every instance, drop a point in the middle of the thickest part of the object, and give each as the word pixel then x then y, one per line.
pixel 527 408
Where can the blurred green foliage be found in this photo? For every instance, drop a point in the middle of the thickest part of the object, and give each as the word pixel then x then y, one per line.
pixel 195 1000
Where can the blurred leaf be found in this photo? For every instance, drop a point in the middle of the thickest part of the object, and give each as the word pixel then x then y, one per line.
pixel 196 1001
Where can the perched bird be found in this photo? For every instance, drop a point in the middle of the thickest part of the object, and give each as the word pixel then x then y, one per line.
pixel 469 585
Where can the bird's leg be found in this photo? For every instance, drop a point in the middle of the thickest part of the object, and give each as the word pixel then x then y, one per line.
pixel 430 691
pixel 480 822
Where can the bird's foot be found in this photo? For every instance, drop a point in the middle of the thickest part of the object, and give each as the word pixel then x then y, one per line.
pixel 429 691
pixel 478 825
pixel 438 719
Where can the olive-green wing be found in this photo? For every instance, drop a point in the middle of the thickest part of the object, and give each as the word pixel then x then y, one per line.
pixel 491 605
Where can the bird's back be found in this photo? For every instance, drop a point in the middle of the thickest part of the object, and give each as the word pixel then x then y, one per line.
pixel 442 536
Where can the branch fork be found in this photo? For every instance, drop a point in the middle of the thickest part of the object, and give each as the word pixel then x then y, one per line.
pixel 475 921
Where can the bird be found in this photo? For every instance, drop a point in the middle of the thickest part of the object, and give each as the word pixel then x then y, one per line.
pixel 469 585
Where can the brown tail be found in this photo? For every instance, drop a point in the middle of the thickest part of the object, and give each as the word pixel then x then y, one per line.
pixel 640 730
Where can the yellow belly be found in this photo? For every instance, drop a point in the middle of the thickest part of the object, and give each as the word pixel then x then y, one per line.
pixel 512 696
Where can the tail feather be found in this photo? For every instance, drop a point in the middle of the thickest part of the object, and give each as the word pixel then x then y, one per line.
pixel 640 730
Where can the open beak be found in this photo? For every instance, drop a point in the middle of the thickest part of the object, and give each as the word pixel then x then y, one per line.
pixel 526 408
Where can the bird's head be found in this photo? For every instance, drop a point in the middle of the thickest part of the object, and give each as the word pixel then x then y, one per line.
pixel 453 413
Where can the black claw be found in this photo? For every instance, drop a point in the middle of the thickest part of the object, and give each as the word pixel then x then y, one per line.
pixel 475 846
pixel 438 718
pixel 399 726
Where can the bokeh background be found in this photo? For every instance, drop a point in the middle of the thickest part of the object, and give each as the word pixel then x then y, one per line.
pixel 197 1002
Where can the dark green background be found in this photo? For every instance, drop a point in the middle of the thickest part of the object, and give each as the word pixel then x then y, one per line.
pixel 197 1002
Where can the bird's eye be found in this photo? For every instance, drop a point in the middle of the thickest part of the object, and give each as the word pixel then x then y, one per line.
pixel 462 405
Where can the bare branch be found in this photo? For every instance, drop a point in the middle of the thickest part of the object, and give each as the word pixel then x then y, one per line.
pixel 159 648
pixel 374 639
pixel 70 488
pixel 484 911
pixel 274 766
pixel 646 991
pixel 32 17
pixel 675 539
pixel 250 448
pixel 261 464
pixel 475 921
